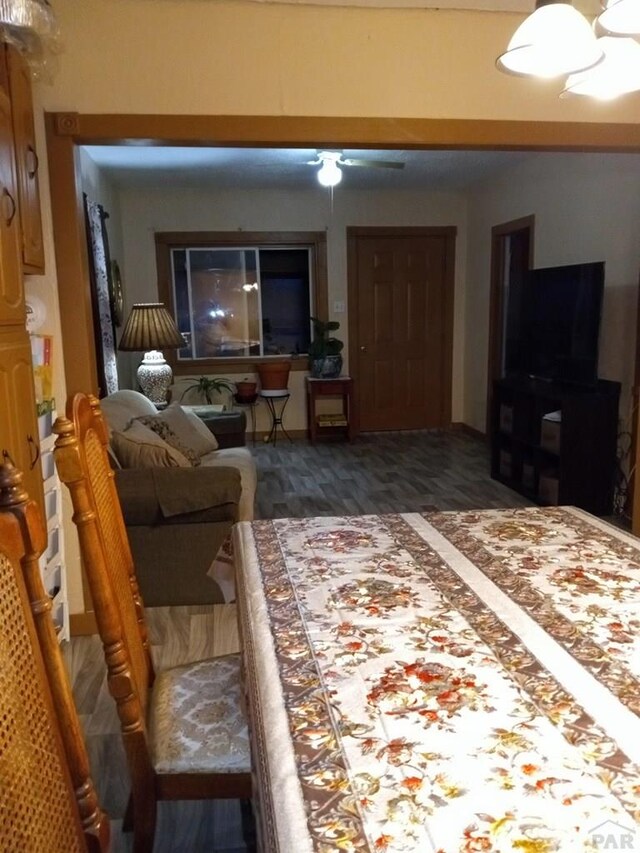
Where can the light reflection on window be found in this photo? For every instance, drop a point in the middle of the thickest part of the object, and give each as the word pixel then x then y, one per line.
pixel 235 303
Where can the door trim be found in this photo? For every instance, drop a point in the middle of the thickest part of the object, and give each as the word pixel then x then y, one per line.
pixel 354 233
pixel 496 307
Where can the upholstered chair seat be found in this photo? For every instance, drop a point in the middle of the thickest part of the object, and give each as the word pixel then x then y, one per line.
pixel 196 720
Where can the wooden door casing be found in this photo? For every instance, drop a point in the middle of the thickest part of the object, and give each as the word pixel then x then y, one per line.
pixel 401 326
pixel 524 231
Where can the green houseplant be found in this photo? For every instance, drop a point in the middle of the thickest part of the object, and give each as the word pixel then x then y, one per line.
pixel 207 386
pixel 325 351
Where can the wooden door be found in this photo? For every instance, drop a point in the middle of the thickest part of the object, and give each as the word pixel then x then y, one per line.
pixel 19 425
pixel 401 326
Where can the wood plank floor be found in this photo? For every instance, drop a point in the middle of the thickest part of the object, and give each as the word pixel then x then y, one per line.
pixel 388 472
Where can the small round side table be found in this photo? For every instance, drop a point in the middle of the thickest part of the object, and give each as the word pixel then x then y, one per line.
pixel 276 403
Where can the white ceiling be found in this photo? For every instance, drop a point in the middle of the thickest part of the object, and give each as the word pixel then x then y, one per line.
pixel 286 168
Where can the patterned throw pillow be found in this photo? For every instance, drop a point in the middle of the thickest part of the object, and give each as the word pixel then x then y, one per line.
pixel 161 428
pixel 140 447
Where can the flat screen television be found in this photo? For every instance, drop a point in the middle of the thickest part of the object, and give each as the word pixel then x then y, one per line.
pixel 558 324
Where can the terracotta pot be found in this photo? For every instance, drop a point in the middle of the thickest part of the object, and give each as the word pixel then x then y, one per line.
pixel 274 375
pixel 246 391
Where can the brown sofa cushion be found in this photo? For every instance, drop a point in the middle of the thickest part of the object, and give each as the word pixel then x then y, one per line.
pixel 178 495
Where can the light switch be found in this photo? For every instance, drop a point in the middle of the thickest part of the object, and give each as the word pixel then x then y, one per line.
pixel 338 307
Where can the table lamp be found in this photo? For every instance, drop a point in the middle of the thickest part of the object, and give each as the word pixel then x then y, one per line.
pixel 150 329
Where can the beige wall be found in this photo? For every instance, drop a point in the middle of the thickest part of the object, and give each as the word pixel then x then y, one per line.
pixel 190 56
pixel 144 212
pixel 587 208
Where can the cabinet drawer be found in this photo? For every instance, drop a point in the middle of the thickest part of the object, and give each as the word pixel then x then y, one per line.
pixel 548 489
pixel 506 418
pixel 53 545
pixel 328 388
pixel 48 465
pixel 51 502
pixel 550 435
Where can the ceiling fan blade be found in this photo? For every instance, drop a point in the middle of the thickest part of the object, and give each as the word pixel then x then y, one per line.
pixel 374 164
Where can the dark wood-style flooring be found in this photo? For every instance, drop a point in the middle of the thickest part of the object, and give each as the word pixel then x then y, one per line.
pixel 387 472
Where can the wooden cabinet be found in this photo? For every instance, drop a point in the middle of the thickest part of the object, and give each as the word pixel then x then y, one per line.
pixel 12 310
pixel 556 444
pixel 19 78
pixel 19 442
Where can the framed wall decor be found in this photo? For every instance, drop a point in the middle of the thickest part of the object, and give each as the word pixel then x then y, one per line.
pixel 116 294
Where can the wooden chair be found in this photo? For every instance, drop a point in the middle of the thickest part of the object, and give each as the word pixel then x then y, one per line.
pixel 184 733
pixel 47 798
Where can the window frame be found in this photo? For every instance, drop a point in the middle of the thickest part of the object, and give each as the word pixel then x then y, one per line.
pixel 166 241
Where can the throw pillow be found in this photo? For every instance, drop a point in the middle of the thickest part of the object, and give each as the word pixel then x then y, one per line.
pixel 206 439
pixel 160 425
pixel 189 429
pixel 140 447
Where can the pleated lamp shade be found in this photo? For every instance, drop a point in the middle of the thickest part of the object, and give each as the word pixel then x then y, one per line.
pixel 150 329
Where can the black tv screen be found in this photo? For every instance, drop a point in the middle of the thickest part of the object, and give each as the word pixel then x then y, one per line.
pixel 559 324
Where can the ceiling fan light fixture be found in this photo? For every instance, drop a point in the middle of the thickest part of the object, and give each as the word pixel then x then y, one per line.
pixel 329 174
pixel 554 40
pixel 621 17
pixel 617 75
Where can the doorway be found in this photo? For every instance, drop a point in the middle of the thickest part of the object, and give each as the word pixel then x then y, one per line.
pixel 401 283
pixel 511 259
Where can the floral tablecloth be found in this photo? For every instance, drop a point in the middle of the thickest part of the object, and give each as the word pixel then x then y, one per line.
pixel 456 681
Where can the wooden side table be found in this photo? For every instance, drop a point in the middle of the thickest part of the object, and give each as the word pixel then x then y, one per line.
pixel 339 426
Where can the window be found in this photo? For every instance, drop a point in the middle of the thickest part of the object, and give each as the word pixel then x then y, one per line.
pixel 239 297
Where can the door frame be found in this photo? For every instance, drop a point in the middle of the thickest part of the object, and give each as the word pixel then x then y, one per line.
pixel 496 302
pixel 354 233
pixel 66 131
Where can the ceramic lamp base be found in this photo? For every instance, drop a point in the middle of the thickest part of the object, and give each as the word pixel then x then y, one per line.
pixel 155 376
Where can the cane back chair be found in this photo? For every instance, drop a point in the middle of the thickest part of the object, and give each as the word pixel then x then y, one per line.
pixel 47 799
pixel 184 732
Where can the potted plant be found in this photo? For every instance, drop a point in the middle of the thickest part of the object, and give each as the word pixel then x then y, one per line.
pixel 274 374
pixel 246 390
pixel 325 358
pixel 207 386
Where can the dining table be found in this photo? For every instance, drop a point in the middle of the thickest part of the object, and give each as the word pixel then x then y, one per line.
pixel 445 681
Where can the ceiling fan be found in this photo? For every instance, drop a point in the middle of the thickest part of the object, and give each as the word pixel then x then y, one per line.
pixel 330 173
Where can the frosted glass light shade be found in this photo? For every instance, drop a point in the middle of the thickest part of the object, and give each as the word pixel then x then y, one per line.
pixel 330 174
pixel 621 17
pixel 618 74
pixel 555 40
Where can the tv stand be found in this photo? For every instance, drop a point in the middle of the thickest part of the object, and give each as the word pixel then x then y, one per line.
pixel 554 443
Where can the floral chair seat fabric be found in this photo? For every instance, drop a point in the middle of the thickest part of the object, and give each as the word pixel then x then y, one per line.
pixel 197 724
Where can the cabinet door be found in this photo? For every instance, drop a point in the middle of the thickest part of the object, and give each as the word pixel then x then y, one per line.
pixel 11 290
pixel 18 420
pixel 26 162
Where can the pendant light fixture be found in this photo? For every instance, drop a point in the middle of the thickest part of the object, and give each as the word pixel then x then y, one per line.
pixel 553 41
pixel 621 17
pixel 618 74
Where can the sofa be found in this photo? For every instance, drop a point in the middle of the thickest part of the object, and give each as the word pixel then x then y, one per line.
pixel 179 500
